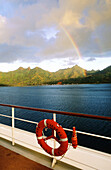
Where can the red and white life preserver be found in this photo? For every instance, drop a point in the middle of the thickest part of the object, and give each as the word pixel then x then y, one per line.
pixel 51 124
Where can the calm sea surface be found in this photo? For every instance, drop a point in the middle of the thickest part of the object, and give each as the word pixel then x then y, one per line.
pixel 88 99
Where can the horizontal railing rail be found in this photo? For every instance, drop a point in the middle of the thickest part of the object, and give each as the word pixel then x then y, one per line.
pixel 60 112
pixel 70 130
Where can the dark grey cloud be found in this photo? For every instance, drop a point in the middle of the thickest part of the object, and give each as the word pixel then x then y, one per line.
pixel 11 53
pixel 91 59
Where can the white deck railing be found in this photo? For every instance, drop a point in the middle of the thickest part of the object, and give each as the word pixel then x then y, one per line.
pixel 14 137
pixel 54 117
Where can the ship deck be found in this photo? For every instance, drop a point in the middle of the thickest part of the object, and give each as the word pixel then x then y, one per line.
pixel 19 157
pixel 80 158
pixel 10 160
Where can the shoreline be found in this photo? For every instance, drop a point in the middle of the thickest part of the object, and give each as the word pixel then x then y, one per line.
pixel 52 84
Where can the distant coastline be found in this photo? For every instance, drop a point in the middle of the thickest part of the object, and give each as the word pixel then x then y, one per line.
pixel 37 76
pixel 53 84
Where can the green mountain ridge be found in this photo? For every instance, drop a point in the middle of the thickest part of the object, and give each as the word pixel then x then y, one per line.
pixel 37 76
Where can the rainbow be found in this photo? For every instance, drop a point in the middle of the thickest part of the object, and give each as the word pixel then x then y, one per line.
pixel 73 43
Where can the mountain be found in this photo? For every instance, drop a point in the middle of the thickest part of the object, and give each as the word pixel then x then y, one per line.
pixel 106 71
pixel 64 74
pixel 24 77
pixel 93 77
pixel 38 76
pixel 73 72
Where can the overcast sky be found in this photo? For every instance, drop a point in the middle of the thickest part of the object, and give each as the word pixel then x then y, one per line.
pixel 50 34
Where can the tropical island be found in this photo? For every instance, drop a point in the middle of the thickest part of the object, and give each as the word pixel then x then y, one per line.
pixel 37 76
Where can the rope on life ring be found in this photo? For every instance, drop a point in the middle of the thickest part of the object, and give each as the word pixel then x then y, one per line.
pixel 51 124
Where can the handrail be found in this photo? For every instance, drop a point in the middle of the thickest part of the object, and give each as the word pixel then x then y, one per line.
pixel 60 112
pixel 70 130
pixel 24 120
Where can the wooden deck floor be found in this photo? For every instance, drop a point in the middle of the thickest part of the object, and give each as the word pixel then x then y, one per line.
pixel 10 160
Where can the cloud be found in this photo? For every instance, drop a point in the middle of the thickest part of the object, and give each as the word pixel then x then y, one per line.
pixel 91 59
pixel 9 53
pixel 32 30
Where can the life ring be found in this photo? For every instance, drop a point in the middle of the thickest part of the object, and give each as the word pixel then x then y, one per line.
pixel 51 124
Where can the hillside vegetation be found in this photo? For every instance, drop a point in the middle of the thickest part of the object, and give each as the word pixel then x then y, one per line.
pixel 38 76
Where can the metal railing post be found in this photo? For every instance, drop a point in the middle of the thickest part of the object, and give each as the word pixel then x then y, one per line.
pixel 54 118
pixel 13 142
pixel 54 159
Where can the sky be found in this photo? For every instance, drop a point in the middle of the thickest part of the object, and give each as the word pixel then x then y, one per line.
pixel 55 34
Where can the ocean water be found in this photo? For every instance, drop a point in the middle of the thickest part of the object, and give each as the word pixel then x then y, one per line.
pixel 86 98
